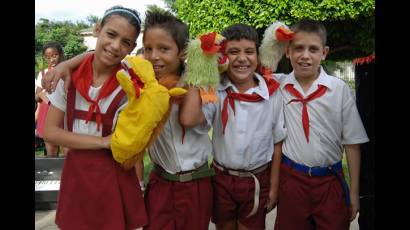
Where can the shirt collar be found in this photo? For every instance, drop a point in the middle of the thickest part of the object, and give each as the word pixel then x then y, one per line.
pixel 323 79
pixel 261 89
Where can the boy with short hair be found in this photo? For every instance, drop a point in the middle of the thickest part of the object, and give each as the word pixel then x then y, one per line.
pixel 321 118
pixel 248 128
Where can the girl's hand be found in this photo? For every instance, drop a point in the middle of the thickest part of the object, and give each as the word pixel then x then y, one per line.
pixel 50 80
pixel 43 96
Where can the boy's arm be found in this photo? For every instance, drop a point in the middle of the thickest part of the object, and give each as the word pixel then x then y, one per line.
pixel 353 162
pixel 55 134
pixel 274 177
pixel 190 112
pixel 62 70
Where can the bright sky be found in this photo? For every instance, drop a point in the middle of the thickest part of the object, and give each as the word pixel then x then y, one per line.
pixel 78 10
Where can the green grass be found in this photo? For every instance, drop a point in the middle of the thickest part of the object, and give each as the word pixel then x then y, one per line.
pixel 345 169
pixel 147 167
pixel 39 152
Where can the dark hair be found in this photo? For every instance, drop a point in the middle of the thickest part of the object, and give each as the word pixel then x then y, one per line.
pixel 311 26
pixel 168 22
pixel 239 31
pixel 54 45
pixel 131 15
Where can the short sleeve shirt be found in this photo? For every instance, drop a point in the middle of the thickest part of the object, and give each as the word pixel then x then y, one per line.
pixel 334 121
pixel 251 131
pixel 172 154
pixel 59 99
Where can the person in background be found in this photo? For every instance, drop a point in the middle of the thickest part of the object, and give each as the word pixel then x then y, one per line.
pixel 53 54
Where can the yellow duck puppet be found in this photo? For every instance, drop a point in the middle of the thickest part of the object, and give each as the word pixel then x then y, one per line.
pixel 206 59
pixel 148 105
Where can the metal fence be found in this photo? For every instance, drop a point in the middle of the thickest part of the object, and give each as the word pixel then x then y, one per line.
pixel 342 70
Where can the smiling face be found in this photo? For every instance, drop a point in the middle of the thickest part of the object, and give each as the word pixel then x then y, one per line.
pixel 52 56
pixel 115 40
pixel 243 60
pixel 305 52
pixel 162 51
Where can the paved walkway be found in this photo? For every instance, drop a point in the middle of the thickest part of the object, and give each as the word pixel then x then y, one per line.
pixel 45 221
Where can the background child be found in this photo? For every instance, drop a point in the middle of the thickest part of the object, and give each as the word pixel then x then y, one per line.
pixel 95 192
pixel 179 191
pixel 248 128
pixel 53 53
pixel 322 119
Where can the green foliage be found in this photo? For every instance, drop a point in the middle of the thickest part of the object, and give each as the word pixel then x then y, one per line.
pixel 345 169
pixel 155 8
pixel 350 22
pixel 40 64
pixel 93 19
pixel 171 5
pixel 66 33
pixel 148 165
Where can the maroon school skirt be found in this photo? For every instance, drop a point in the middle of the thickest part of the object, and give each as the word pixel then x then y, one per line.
pixel 96 193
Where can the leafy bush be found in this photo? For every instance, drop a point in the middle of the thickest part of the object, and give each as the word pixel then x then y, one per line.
pixel 350 24
pixel 66 33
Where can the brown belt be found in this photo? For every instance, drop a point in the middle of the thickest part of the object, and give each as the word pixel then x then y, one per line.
pixel 246 174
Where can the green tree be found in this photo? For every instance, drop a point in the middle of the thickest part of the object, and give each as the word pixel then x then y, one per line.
pixel 155 8
pixel 65 32
pixel 350 23
pixel 171 5
pixel 92 19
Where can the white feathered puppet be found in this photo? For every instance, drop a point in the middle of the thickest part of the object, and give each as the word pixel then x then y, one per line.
pixel 273 45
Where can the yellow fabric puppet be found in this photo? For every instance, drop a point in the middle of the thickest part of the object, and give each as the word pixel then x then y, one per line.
pixel 148 105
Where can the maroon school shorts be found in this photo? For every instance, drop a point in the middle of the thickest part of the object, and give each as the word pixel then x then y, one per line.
pixel 178 205
pixel 303 199
pixel 233 199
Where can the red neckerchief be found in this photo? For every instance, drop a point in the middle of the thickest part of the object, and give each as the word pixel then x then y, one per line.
pixel 83 78
pixel 299 98
pixel 230 97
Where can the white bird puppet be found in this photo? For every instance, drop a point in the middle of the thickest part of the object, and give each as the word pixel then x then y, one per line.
pixel 273 45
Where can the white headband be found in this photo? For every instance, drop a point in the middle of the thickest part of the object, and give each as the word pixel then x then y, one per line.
pixel 125 11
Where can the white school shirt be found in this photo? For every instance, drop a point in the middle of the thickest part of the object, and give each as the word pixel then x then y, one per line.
pixel 38 80
pixel 333 121
pixel 251 132
pixel 171 154
pixel 59 99
pixel 39 77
